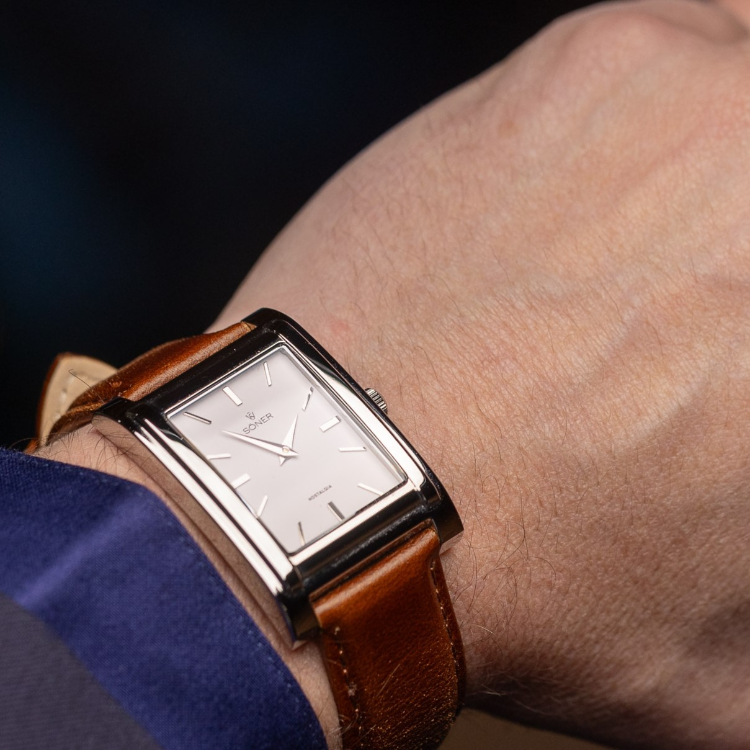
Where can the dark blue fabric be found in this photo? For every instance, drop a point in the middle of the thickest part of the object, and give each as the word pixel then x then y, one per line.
pixel 109 569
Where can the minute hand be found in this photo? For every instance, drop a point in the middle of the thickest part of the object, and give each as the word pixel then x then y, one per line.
pixel 279 450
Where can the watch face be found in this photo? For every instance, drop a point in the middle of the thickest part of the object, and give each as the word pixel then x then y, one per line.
pixel 292 452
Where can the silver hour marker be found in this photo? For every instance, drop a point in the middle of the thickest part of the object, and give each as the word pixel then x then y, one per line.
pixel 330 423
pixel 307 399
pixel 196 417
pixel 240 480
pixel 233 396
pixel 262 506
pixel 217 456
pixel 336 512
pixel 301 533
pixel 353 449
pixel 268 373
pixel 369 489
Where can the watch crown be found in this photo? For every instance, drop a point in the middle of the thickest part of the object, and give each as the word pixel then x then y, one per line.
pixel 377 399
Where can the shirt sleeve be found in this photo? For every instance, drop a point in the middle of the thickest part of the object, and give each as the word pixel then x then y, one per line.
pixel 103 568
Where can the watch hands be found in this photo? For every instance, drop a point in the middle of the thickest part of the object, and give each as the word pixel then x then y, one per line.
pixel 283 451
pixel 288 441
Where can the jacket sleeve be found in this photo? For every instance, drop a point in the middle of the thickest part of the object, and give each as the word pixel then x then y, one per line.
pixel 115 631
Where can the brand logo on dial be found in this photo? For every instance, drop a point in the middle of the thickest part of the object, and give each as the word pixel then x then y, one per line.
pixel 256 420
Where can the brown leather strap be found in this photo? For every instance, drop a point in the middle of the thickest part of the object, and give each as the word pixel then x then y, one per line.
pixel 393 649
pixel 146 373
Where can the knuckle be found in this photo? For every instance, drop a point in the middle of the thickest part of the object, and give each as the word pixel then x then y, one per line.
pixel 617 38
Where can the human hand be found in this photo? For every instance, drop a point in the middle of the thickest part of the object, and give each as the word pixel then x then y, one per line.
pixel 546 273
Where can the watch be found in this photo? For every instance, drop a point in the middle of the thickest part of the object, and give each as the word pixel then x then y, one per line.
pixel 321 508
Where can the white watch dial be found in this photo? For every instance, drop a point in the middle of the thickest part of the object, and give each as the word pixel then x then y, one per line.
pixel 292 453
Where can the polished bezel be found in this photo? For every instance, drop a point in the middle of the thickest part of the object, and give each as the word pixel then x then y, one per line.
pixel 143 428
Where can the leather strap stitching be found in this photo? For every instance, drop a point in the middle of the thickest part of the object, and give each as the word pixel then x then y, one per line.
pixel 451 635
pixel 351 688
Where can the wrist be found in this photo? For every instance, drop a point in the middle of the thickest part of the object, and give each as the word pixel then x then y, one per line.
pixel 88 448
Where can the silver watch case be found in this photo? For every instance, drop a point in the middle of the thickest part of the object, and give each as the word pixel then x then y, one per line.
pixel 142 429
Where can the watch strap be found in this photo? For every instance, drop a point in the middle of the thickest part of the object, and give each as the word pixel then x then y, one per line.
pixel 138 378
pixel 393 649
pixel 67 378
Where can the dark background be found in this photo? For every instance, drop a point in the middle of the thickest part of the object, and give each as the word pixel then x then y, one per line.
pixel 149 151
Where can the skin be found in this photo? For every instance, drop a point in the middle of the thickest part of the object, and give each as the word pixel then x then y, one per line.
pixel 547 274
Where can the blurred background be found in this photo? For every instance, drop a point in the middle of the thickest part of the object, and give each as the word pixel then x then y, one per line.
pixel 150 151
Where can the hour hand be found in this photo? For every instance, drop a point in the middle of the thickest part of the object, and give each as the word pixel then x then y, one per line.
pixel 283 451
pixel 288 441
